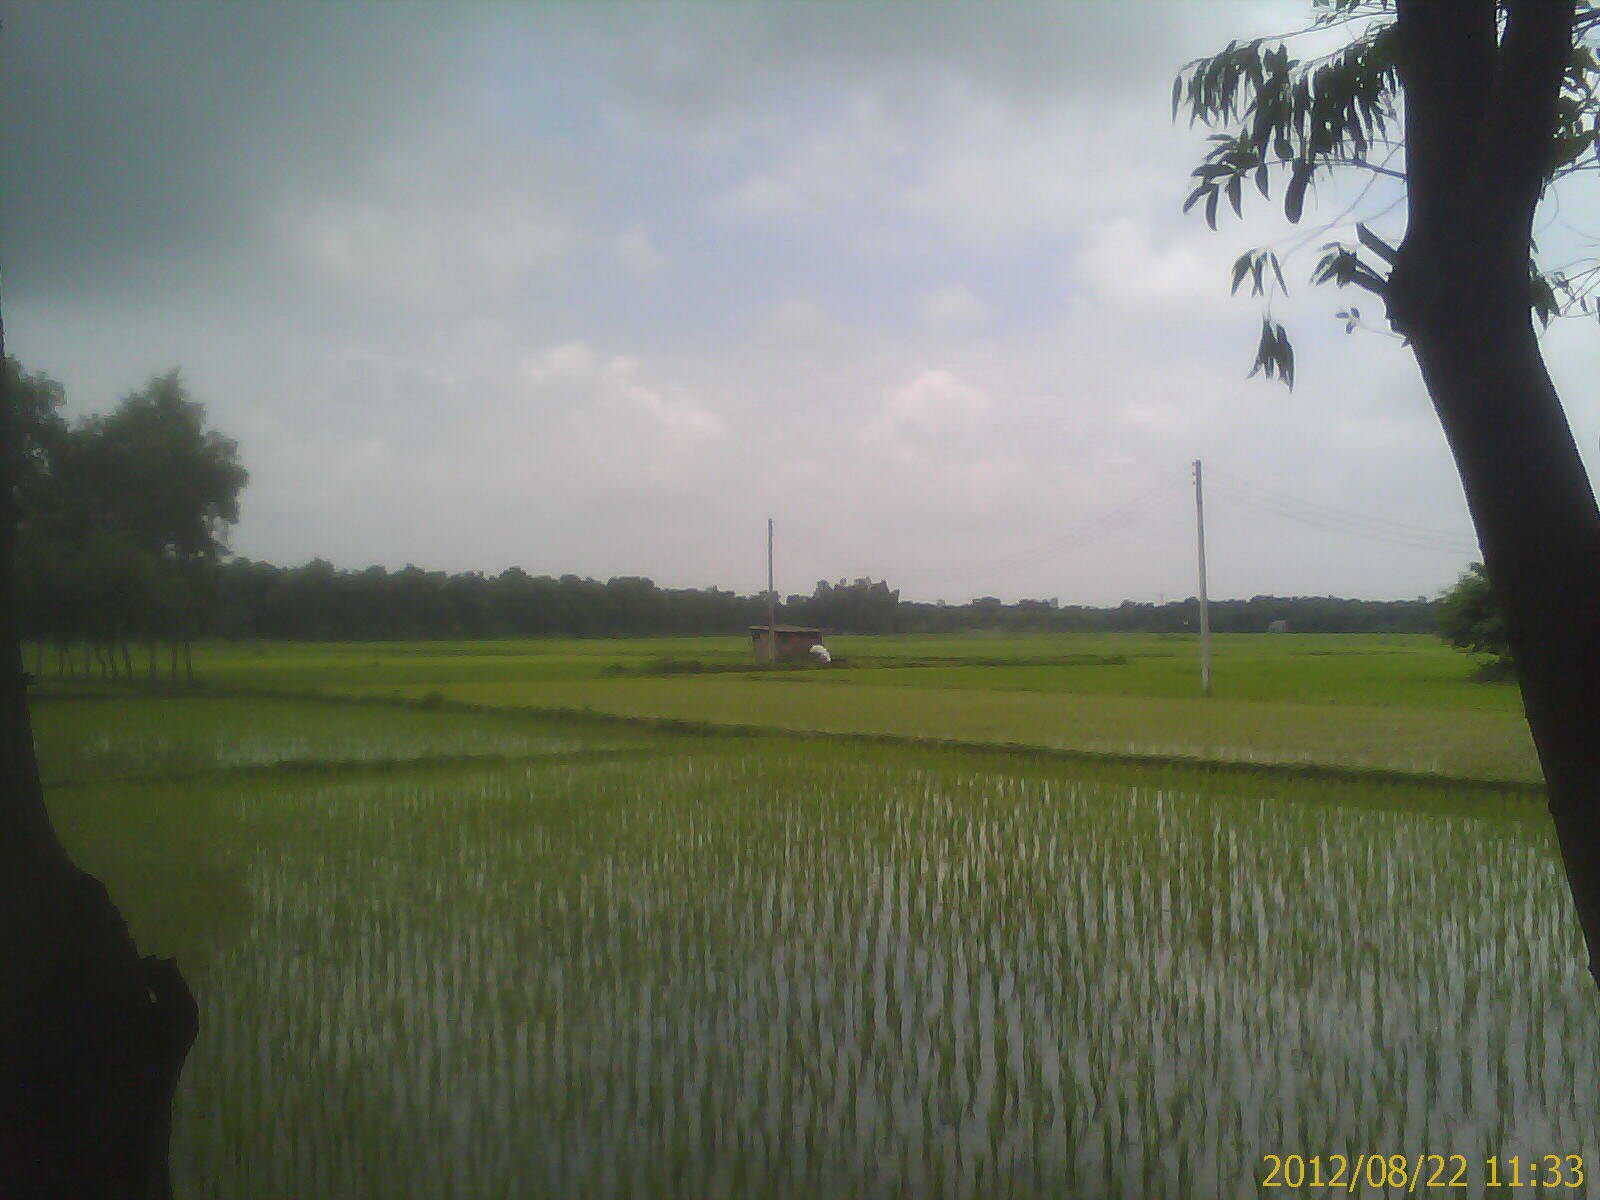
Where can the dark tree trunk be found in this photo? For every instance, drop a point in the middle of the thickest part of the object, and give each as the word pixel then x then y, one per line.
pixel 1480 115
pixel 92 1037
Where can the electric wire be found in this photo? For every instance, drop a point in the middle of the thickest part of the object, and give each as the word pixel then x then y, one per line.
pixel 1226 481
pixel 1348 528
pixel 1093 529
pixel 1221 484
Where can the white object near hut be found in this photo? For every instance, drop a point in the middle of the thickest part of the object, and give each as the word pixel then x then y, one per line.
pixel 820 653
pixel 776 642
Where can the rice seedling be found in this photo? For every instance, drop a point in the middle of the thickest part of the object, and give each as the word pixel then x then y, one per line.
pixel 795 969
pixel 1486 745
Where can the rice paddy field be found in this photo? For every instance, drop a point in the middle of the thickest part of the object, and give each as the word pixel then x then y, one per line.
pixel 960 918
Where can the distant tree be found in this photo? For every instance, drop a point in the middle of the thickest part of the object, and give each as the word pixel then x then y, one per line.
pixel 120 591
pixel 1473 108
pixel 173 485
pixel 1471 620
pixel 142 497
pixel 40 428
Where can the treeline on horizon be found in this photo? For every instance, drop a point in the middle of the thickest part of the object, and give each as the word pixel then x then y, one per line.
pixel 122 554
pixel 319 602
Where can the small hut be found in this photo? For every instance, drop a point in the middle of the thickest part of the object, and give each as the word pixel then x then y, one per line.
pixel 1277 626
pixel 793 642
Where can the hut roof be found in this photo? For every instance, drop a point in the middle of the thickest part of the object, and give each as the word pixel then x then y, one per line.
pixel 785 629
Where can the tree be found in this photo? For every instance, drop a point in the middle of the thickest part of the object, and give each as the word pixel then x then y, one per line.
pixel 92 1036
pixel 1474 107
pixel 40 428
pixel 1470 620
pixel 173 486
pixel 123 521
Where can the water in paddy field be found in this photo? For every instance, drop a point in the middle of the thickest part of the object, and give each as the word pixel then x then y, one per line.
pixel 758 974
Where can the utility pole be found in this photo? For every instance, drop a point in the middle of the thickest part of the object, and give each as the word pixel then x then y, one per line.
pixel 1205 612
pixel 772 601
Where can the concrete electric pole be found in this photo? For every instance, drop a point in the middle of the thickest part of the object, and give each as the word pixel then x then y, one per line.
pixel 1205 613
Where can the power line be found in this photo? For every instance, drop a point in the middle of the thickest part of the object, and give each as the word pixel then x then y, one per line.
pixel 1349 527
pixel 1336 512
pixel 1104 524
pixel 1326 518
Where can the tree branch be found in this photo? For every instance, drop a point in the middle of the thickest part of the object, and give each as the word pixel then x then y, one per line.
pixel 1521 118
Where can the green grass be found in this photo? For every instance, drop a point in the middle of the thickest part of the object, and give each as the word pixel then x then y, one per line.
pixel 1465 743
pixel 490 954
pixel 1363 670
pixel 103 737
pixel 1399 703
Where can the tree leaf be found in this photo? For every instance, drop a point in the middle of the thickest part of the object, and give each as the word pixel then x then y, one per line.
pixel 1294 197
pixel 1274 354
pixel 1241 268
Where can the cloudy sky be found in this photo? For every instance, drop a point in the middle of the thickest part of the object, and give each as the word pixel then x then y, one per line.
pixel 599 288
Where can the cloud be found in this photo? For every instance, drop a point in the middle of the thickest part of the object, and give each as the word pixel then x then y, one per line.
pixel 1123 263
pixel 763 196
pixel 597 289
pixel 638 253
pixel 595 400
pixel 933 411
pixel 951 306
pixel 433 253
pixel 570 361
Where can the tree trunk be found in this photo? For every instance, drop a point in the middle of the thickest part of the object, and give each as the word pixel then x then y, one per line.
pixel 1540 532
pixel 1480 118
pixel 92 1037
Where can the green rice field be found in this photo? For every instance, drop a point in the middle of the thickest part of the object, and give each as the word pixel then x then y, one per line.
pixel 1402 703
pixel 573 919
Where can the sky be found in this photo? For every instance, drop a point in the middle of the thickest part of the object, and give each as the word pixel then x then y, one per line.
pixel 599 288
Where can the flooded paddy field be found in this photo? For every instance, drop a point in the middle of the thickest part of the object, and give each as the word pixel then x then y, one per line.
pixel 1377 702
pixel 479 956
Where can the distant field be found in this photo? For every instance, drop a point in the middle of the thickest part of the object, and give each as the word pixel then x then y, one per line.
pixel 1402 703
pixel 1361 669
